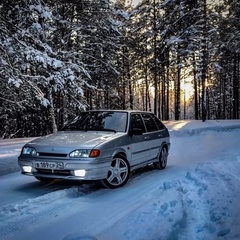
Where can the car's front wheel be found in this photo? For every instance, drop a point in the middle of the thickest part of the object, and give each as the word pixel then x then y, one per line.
pixel 118 173
pixel 162 160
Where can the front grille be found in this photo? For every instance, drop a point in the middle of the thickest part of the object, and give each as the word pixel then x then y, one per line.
pixel 54 172
pixel 43 154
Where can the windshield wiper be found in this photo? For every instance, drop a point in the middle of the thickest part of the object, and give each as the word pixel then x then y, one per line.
pixel 106 129
pixel 86 129
pixel 70 128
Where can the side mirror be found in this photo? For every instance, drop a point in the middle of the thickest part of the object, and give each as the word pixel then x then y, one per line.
pixel 135 131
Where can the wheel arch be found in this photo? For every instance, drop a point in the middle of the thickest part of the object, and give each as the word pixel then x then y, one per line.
pixel 120 152
pixel 166 145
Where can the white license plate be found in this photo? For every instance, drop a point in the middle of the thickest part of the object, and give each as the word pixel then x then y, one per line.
pixel 49 165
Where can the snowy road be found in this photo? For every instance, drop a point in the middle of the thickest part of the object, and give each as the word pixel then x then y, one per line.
pixel 195 197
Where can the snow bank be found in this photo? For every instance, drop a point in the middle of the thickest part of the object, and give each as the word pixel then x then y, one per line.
pixel 193 127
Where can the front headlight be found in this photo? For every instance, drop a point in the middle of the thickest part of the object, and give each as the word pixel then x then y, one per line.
pixel 85 153
pixel 29 151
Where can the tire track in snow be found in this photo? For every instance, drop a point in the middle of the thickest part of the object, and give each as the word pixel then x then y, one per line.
pixel 19 215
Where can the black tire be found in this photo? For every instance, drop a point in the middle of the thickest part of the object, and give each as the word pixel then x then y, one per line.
pixel 118 173
pixel 44 180
pixel 162 159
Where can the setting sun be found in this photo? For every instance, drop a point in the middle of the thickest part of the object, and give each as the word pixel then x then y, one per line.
pixel 188 89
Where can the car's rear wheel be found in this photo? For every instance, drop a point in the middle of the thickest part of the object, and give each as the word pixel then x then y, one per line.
pixel 44 180
pixel 162 160
pixel 118 173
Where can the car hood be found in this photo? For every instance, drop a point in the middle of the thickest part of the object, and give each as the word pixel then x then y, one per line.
pixel 74 139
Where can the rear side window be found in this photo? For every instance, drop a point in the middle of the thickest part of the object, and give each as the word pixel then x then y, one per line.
pixel 149 122
pixel 158 122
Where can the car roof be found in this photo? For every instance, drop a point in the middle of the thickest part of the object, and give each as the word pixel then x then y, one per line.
pixel 119 110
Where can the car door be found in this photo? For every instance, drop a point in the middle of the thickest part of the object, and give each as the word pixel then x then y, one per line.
pixel 140 143
pixel 153 133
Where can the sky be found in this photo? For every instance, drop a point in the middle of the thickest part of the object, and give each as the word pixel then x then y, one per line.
pixel 195 197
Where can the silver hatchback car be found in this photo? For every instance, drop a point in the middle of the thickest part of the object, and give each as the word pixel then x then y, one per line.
pixel 101 145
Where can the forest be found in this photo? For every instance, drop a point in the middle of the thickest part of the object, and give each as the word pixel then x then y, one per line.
pixel 177 58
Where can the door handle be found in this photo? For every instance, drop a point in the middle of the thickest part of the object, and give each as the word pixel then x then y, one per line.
pixel 160 135
pixel 146 138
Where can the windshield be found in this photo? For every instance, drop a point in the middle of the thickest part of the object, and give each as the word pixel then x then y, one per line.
pixel 99 120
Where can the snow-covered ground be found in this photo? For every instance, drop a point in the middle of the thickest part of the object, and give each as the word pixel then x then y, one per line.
pixel 195 197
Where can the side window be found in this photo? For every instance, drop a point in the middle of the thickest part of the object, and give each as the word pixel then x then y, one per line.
pixel 158 122
pixel 136 122
pixel 149 122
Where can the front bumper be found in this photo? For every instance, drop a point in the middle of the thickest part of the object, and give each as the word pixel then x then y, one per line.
pixel 72 169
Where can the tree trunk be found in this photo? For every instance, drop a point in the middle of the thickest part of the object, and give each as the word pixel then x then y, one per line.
pixel 195 87
pixel 204 60
pixel 235 88
pixel 52 112
pixel 155 58
pixel 178 91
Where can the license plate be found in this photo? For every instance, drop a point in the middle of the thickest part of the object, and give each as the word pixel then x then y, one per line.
pixel 49 165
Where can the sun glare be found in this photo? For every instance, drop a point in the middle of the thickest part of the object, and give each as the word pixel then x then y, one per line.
pixel 188 90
